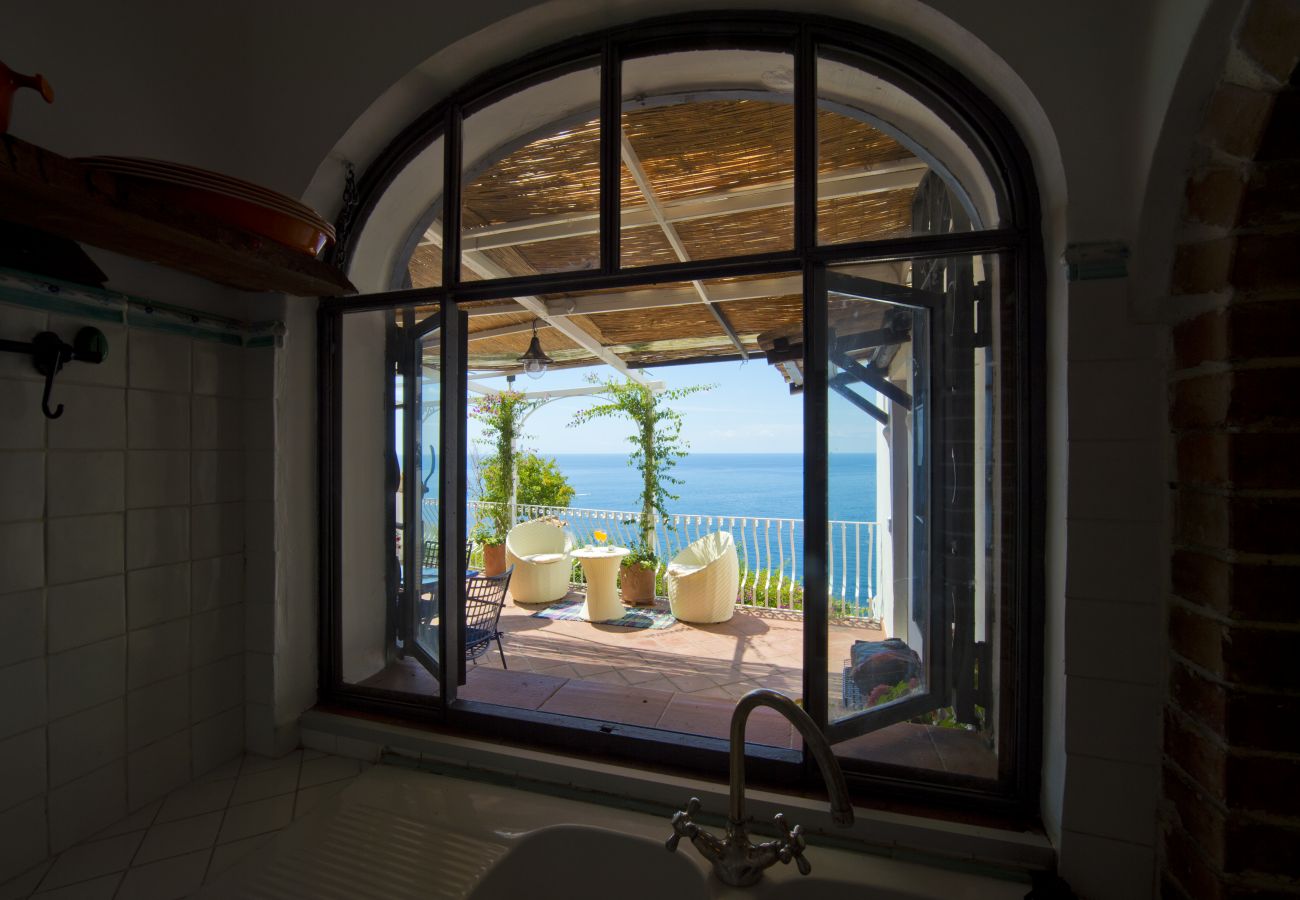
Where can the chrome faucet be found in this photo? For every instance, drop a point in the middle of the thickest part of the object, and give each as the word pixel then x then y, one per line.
pixel 736 860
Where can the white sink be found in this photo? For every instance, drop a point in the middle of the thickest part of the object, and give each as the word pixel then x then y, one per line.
pixel 398 834
pixel 591 864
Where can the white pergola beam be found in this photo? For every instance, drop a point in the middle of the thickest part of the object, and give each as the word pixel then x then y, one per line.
pixel 488 269
pixel 634 167
pixel 890 176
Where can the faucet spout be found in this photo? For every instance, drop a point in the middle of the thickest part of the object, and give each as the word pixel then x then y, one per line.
pixel 841 807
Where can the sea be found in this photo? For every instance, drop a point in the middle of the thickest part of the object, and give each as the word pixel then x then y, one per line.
pixel 755 485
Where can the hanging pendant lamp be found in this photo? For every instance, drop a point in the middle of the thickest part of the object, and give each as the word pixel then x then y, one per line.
pixel 535 359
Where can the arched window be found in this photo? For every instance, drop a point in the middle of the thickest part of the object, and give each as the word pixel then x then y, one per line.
pixel 836 232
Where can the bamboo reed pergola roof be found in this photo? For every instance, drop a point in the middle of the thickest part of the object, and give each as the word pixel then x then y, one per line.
pixel 704 179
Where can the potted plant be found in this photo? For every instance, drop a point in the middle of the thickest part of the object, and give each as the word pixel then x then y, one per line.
pixel 637 576
pixel 658 445
pixel 493 542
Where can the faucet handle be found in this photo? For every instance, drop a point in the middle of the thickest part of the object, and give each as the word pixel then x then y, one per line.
pixel 793 845
pixel 682 824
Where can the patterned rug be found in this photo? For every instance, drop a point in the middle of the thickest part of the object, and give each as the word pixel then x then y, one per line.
pixel 637 617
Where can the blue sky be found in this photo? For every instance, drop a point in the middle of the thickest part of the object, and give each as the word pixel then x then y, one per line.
pixel 749 410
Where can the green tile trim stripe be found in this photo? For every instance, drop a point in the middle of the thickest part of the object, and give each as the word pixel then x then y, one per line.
pixel 52 295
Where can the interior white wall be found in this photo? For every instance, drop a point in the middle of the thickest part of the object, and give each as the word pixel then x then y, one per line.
pixel 281 93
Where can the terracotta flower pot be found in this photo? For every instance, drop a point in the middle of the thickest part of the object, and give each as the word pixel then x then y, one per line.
pixel 494 559
pixel 638 583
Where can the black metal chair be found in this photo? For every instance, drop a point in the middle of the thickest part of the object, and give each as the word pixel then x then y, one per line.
pixel 485 596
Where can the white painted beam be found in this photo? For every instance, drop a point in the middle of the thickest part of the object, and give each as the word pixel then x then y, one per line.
pixel 488 269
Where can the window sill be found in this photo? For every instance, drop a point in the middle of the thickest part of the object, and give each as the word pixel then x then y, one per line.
pixel 954 845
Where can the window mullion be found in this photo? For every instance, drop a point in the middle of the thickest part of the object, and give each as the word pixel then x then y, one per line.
pixel 611 125
pixel 451 207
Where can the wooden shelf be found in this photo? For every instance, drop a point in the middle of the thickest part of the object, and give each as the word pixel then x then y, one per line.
pixel 43 190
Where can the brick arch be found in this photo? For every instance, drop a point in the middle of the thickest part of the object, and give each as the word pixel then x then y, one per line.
pixel 1230 817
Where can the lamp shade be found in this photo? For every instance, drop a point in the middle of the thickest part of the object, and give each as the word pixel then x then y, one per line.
pixel 535 359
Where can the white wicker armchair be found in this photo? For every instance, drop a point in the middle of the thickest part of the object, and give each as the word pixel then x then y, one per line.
pixel 704 579
pixel 539 551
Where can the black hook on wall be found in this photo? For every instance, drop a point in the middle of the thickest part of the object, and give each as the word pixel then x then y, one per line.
pixel 49 353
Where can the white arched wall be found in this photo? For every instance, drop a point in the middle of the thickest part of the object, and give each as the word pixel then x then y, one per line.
pixel 282 93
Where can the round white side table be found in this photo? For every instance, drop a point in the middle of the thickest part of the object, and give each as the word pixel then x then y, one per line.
pixel 600 567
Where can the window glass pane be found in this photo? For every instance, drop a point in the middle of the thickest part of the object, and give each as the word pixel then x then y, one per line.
pixel 888 166
pixel 723 600
pixel 531 181
pixel 923 456
pixel 374 582
pixel 708 155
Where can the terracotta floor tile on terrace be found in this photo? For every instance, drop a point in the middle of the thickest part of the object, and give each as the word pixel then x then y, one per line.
pixel 629 705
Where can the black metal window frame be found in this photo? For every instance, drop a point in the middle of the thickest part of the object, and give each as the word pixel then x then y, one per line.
pixel 986 130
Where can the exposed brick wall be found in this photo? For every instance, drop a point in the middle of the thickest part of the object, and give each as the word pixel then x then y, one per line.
pixel 1231 785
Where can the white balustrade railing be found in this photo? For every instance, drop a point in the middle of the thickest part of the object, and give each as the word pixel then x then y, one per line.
pixel 770 551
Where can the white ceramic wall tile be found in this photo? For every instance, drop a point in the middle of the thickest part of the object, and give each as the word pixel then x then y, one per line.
pixel 259 728
pixel 157 769
pixel 112 371
pixel 23 634
pixel 80 808
pixel 86 676
pixel 259 424
pixel 22 424
pixel 86 612
pixel 1101 326
pixel 1118 561
pixel 218 476
pixel 259 524
pixel 158 652
pixel 217 634
pixel 83 547
pixel 155 537
pixel 22 697
pixel 22 483
pixel 216 529
pixel 159 361
pixel 216 688
pixel 216 740
pixel 259 475
pixel 1100 867
pixel 22 837
pixel 157 711
pixel 259 571
pixel 1124 400
pixel 1118 480
pixel 1111 799
pixel 83 742
pixel 157 478
pixel 1113 720
pixel 217 581
pixel 18 323
pixel 259 627
pixel 259 372
pixel 218 369
pixel 84 482
pixel 22 767
pixel 217 423
pixel 157 595
pixel 1111 640
pixel 22 556
pixel 94 418
pixel 157 421
pixel 259 677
